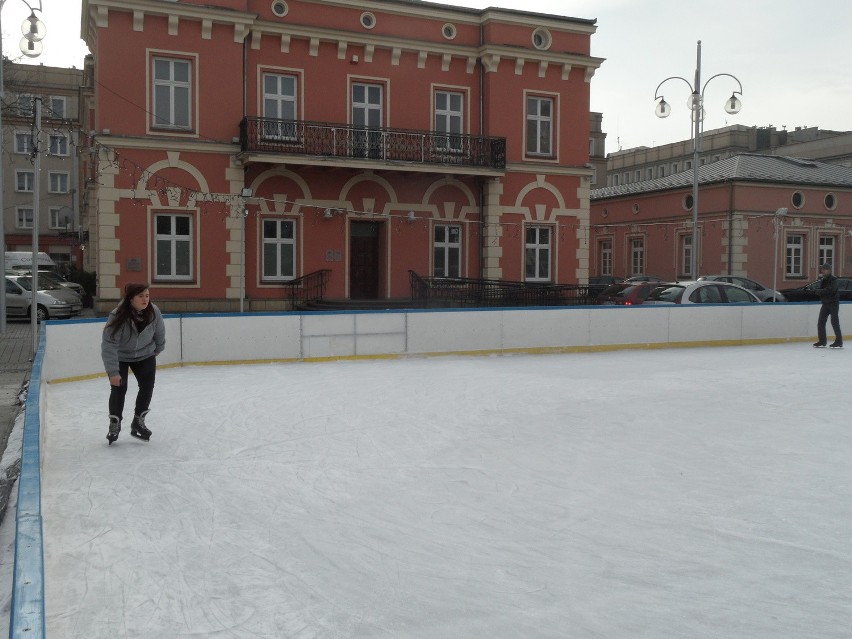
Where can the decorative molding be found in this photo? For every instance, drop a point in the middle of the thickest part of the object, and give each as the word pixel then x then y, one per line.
pixel 102 17
pixel 566 71
pixel 174 22
pixel 285 43
pixel 542 68
pixel 341 49
pixel 519 66
pixel 445 62
pixel 396 52
pixel 590 71
pixel 421 59
pixel 369 50
pixel 138 20
pixel 240 32
pixel 471 64
pixel 491 61
pixel 206 29
pixel 313 48
pixel 256 37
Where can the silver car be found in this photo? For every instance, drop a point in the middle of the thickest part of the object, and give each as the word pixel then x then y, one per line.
pixel 702 292
pixel 763 293
pixel 53 301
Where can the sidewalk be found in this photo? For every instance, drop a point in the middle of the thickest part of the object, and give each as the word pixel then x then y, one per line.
pixel 16 350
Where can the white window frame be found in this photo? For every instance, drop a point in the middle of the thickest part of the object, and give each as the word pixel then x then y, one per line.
pixel 827 249
pixel 686 255
pixel 58 145
pixel 27 147
pixel 606 254
pixel 54 218
pixel 21 217
pixel 637 255
pixel 281 128
pixel 442 266
pixel 542 252
pixel 368 142
pixel 794 262
pixel 535 119
pixel 57 182
pixel 29 180
pixel 446 118
pixel 277 244
pixel 169 84
pixel 174 239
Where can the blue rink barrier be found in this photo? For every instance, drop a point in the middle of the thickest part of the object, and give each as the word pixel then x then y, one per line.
pixel 26 617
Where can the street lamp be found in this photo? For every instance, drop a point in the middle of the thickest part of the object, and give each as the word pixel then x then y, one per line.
pixel 695 104
pixel 34 31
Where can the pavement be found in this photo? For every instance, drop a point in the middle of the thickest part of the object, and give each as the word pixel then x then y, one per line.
pixel 16 353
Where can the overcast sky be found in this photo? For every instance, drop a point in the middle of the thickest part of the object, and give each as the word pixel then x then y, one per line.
pixel 792 57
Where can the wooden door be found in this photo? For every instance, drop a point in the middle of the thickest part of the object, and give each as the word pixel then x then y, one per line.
pixel 364 261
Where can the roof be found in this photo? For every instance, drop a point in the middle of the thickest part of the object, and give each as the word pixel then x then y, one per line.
pixel 747 167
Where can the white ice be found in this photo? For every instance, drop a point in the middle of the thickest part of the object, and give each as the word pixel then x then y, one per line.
pixel 638 494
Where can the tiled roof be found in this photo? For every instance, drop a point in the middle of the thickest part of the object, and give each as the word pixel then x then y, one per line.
pixel 748 167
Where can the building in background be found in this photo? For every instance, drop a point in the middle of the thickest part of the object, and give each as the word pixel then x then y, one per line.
pixel 597 150
pixel 646 227
pixel 58 197
pixel 240 147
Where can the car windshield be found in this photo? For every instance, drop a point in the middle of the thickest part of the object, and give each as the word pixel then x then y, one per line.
pixel 619 290
pixel 666 294
pixel 27 284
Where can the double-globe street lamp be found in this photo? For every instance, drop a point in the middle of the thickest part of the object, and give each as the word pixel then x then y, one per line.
pixel 695 103
pixel 33 31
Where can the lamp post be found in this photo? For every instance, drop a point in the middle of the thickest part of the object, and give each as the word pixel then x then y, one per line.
pixel 34 31
pixel 779 213
pixel 695 103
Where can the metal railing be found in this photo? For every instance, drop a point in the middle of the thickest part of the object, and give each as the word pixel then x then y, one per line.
pixel 308 288
pixel 430 292
pixel 323 139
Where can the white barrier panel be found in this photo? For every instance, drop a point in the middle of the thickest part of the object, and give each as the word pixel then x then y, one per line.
pixel 74 346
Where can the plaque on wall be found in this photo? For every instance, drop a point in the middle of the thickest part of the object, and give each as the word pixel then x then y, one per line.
pixel 134 264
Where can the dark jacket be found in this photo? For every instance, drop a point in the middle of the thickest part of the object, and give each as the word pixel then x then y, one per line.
pixel 130 345
pixel 827 291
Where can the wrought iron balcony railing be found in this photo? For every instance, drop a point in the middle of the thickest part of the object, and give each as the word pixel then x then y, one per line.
pixel 321 139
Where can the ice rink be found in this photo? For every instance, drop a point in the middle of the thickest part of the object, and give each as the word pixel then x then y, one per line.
pixel 636 494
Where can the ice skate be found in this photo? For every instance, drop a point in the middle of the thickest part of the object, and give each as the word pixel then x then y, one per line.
pixel 114 428
pixel 819 345
pixel 138 428
pixel 836 345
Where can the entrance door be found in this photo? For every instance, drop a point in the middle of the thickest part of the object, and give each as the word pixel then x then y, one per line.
pixel 364 261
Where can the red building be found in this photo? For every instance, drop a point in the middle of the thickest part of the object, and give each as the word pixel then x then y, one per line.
pixel 646 227
pixel 366 138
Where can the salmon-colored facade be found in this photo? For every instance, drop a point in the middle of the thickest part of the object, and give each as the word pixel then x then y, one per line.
pixel 241 145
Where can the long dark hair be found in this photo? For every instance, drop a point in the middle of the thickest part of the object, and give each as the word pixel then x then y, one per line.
pixel 124 312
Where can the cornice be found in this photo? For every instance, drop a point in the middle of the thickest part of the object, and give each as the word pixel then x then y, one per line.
pixel 160 144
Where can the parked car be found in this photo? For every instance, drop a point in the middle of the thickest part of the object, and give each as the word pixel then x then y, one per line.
pixel 626 293
pixel 599 283
pixel 702 292
pixel 808 292
pixel 763 293
pixel 53 302
pixel 644 278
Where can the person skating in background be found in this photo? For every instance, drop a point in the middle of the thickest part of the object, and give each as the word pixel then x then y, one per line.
pixel 133 337
pixel 830 298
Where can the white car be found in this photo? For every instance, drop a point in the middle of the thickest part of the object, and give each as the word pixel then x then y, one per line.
pixel 702 292
pixel 763 293
pixel 53 302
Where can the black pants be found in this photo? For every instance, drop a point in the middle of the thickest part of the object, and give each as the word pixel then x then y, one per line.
pixel 145 372
pixel 829 309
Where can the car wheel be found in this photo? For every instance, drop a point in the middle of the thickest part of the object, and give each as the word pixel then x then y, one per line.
pixel 41 313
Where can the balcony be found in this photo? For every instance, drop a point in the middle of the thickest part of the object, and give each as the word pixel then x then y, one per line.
pixel 321 143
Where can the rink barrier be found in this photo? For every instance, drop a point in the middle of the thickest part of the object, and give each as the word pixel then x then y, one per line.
pixel 268 338
pixel 26 617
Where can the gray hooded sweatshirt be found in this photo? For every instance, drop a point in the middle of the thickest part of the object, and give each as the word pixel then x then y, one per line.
pixel 129 345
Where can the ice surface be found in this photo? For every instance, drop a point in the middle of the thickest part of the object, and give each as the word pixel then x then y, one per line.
pixel 681 493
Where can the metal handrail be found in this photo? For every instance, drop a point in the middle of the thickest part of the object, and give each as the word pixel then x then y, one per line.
pixel 308 288
pixel 324 139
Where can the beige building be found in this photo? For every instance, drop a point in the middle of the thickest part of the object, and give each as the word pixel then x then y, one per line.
pixel 56 196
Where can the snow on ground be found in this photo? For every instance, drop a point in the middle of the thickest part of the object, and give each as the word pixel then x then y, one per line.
pixel 679 493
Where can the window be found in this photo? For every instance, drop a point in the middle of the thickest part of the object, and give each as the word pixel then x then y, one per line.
pixel 367 114
pixel 737 296
pixel 539 126
pixel 688 165
pixel 541 38
pixel 279 103
pixel 58 144
pixel 173 246
pixel 26 105
pixel 172 93
pixel 23 143
pixel 797 199
pixel 279 249
pixel 368 20
pixel 449 119
pixel 57 182
pixel 830 201
pixel 594 177
pixel 448 31
pixel 279 8
pixel 637 256
pixel 537 255
pixel 60 217
pixel 795 249
pixel 605 257
pixel 661 171
pixel 57 107
pixel 447 250
pixel 826 250
pixel 24 181
pixel 707 295
pixel 637 175
pixel 686 255
pixel 674 168
pixel 24 218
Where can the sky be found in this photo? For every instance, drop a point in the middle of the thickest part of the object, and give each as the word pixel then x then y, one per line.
pixel 790 56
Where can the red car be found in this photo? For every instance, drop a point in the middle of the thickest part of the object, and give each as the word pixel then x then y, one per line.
pixel 627 293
